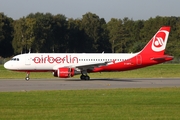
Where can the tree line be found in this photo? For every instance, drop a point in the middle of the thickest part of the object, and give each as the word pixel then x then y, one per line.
pixel 44 32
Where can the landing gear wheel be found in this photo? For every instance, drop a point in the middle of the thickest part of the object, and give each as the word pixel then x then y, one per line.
pixel 84 77
pixel 27 78
pixel 87 77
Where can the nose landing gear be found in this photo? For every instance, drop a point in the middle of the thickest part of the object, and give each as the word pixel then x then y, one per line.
pixel 27 76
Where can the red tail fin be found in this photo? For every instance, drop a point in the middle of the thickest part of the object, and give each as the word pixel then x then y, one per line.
pixel 157 45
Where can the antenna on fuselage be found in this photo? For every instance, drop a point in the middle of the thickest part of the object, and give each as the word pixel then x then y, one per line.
pixel 30 50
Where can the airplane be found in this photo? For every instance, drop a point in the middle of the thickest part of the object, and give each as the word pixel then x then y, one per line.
pixel 66 65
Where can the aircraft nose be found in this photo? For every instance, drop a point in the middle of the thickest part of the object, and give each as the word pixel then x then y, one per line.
pixel 7 65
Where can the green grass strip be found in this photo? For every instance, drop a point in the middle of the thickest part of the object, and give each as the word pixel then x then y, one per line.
pixel 115 104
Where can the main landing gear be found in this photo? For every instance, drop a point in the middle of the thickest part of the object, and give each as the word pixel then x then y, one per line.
pixel 27 76
pixel 84 76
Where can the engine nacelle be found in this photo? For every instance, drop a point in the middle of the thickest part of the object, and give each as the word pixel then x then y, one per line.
pixel 64 72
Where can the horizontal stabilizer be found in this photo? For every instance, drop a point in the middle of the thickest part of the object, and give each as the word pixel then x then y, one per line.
pixel 165 57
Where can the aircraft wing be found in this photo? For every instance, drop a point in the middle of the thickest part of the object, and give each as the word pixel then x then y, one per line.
pixel 91 66
pixel 84 66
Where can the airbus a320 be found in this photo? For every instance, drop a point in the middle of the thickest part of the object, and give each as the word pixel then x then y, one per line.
pixel 66 65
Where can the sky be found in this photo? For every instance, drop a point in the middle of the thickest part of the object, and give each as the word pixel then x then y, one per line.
pixel 107 9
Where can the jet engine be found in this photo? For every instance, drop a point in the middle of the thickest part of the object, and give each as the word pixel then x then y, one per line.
pixel 64 72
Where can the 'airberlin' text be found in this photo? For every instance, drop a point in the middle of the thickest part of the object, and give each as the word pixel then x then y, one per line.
pixel 58 60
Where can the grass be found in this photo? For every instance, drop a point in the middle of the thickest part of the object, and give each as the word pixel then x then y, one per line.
pixel 116 104
pixel 156 71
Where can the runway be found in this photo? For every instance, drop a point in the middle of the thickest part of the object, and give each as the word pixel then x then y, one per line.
pixel 10 85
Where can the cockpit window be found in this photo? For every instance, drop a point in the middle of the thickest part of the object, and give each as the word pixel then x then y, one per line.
pixel 15 59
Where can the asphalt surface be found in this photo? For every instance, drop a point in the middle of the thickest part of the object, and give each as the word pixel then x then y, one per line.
pixel 10 85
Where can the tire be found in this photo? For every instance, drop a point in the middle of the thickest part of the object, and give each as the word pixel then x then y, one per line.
pixel 27 78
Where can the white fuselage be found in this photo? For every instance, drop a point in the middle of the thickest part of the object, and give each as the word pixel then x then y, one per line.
pixel 53 61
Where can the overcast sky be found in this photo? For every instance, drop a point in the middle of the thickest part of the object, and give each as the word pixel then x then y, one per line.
pixel 107 9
